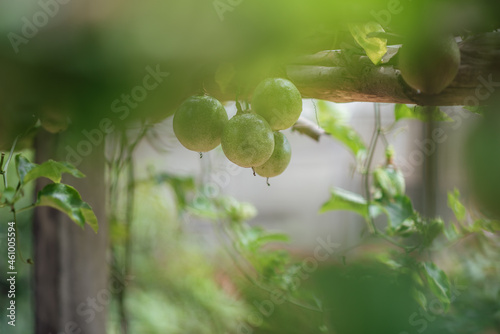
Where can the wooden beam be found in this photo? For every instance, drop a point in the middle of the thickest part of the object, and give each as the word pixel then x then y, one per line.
pixel 338 77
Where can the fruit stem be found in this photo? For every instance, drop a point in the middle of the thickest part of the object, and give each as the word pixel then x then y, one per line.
pixel 1 161
pixel 371 151
pixel 201 155
pixel 238 107
pixel 267 181
pixel 253 170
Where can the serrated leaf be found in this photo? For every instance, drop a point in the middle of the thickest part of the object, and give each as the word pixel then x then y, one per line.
pixel 398 210
pixel 374 47
pixel 23 167
pixel 67 199
pixel 438 283
pixel 52 170
pixel 334 122
pixel 390 181
pixel 348 201
pixel 455 205
pixel 224 75
pixel 420 113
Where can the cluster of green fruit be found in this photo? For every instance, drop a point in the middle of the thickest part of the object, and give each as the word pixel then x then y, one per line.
pixel 249 139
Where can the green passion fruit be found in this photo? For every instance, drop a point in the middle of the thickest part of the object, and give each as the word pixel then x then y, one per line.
pixel 247 140
pixel 199 122
pixel 280 158
pixel 278 101
pixel 428 63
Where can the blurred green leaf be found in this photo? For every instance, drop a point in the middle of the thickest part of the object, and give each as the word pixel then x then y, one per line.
pixel 420 298
pixel 487 225
pixel 23 166
pixel 431 230
pixel 181 186
pixel 398 210
pixel 67 199
pixel 345 200
pixel 256 237
pixel 203 207
pixel 451 232
pixel 237 211
pixel 390 181
pixel 402 111
pixel 438 283
pixel 374 47
pixel 52 170
pixel 7 195
pixel 334 122
pixel 480 110
pixel 455 205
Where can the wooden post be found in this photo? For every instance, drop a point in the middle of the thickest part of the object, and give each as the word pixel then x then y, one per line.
pixel 71 271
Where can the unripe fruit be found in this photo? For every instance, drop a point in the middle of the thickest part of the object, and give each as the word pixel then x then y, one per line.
pixel 280 158
pixel 199 122
pixel 248 140
pixel 429 63
pixel 278 101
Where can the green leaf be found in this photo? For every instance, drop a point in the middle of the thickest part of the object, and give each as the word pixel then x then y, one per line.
pixel 480 110
pixel 224 75
pixel 487 225
pixel 398 210
pixel 420 298
pixel 402 111
pixel 390 181
pixel 431 229
pixel 254 238
pixel 345 200
pixel 438 283
pixel 451 232
pixel 52 170
pixel 334 122
pixel 203 207
pixel 67 199
pixel 455 205
pixel 273 237
pixel 7 195
pixel 374 47
pixel 23 167
pixel 237 211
